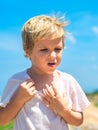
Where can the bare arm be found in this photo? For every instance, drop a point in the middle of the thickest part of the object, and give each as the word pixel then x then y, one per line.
pixel 9 112
pixel 25 92
pixel 70 116
pixel 59 103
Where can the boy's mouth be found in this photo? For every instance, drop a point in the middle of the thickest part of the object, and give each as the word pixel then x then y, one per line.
pixel 51 64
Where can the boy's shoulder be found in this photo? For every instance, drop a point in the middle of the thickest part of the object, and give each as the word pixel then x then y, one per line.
pixel 66 75
pixel 20 75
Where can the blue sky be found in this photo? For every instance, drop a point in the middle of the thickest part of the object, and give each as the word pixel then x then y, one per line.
pixel 80 57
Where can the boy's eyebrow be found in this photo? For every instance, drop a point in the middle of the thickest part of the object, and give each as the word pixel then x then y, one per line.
pixel 42 47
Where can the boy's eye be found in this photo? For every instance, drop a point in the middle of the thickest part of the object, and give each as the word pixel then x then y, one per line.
pixel 44 49
pixel 58 49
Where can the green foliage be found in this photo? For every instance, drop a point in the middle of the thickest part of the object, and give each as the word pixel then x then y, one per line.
pixel 96 104
pixel 93 97
pixel 92 94
pixel 7 127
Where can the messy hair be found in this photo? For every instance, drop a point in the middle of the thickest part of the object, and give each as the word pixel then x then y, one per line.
pixel 42 27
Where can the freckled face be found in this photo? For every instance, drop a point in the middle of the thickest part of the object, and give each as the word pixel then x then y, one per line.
pixel 46 55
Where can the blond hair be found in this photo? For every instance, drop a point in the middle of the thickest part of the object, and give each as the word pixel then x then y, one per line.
pixel 42 27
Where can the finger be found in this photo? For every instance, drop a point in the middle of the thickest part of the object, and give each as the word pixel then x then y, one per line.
pixel 32 88
pixel 46 102
pixel 54 89
pixel 46 96
pixel 28 80
pixel 24 83
pixel 45 93
pixel 30 84
pixel 50 91
pixel 34 92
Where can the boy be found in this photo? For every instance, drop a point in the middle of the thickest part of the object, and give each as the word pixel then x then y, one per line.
pixel 41 97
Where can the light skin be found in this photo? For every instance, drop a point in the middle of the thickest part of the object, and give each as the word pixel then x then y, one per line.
pixel 43 77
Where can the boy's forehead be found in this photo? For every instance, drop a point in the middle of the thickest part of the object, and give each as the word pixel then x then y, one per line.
pixel 49 42
pixel 44 40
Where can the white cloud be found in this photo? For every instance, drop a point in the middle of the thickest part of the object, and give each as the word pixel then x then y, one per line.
pixel 85 24
pixel 95 66
pixel 71 38
pixel 93 58
pixel 95 29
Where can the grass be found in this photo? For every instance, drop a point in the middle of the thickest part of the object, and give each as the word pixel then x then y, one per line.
pixel 96 104
pixel 7 127
pixel 93 98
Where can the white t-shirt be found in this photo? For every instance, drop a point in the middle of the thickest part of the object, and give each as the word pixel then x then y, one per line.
pixel 35 115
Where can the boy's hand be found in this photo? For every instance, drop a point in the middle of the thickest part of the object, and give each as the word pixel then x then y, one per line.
pixel 54 100
pixel 25 91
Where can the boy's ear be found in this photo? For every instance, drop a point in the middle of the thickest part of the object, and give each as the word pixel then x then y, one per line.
pixel 27 53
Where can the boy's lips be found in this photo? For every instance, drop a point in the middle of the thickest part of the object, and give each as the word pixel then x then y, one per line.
pixel 51 64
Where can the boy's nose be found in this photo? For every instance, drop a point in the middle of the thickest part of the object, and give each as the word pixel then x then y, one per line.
pixel 52 55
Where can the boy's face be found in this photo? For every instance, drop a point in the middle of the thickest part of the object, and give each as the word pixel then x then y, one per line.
pixel 46 55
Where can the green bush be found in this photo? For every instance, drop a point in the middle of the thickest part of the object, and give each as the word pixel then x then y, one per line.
pixel 7 127
pixel 96 104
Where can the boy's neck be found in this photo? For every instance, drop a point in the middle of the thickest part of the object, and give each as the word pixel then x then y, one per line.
pixel 32 72
pixel 40 79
